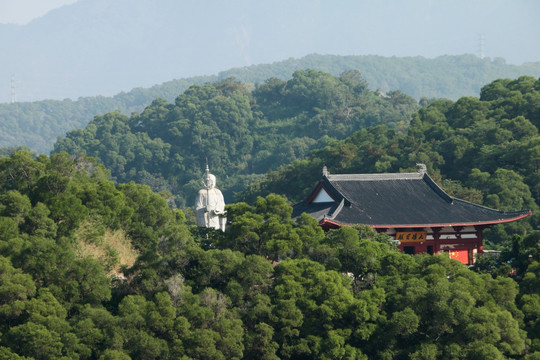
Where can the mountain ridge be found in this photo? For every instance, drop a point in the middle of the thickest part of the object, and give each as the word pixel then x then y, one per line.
pixel 98 47
pixel 38 124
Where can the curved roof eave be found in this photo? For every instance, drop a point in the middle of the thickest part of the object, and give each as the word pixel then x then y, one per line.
pixel 492 222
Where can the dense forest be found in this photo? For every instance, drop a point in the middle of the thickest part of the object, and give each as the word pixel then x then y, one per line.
pixel 97 262
pixel 68 290
pixel 38 124
pixel 449 77
pixel 241 132
pixel 485 150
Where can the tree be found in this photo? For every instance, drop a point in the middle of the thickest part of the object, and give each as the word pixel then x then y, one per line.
pixel 20 172
pixel 16 288
pixel 265 229
pixel 314 311
pixel 439 308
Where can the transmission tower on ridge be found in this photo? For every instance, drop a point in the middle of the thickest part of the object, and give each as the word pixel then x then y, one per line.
pixel 481 45
pixel 13 94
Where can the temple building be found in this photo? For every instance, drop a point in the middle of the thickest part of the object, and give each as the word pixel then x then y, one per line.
pixel 409 207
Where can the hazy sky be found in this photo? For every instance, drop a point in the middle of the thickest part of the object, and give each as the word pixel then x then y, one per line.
pixel 440 27
pixel 22 11
pixel 223 34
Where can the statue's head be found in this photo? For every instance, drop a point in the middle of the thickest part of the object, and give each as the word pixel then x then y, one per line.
pixel 209 181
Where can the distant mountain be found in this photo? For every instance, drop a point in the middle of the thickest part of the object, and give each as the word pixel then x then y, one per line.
pixel 103 47
pixel 38 124
pixel 449 77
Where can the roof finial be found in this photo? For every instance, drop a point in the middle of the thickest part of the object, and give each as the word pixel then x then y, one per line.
pixel 423 168
pixel 206 174
pixel 325 171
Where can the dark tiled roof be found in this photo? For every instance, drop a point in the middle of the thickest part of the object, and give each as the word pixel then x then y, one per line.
pixel 397 200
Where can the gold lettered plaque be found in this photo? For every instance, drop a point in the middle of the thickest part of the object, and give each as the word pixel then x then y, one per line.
pixel 411 236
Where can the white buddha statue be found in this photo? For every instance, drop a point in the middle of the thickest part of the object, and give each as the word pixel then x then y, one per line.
pixel 210 205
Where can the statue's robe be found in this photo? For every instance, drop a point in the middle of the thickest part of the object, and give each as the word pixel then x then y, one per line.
pixel 210 208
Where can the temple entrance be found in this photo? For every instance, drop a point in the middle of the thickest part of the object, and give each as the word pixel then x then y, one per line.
pixel 408 250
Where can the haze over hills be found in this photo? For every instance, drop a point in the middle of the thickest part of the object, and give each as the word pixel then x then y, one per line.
pixel 38 124
pixel 99 47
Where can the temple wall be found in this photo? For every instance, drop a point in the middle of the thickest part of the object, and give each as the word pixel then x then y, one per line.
pixel 460 243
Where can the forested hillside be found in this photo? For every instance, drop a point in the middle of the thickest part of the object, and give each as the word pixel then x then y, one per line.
pixel 38 124
pixel 67 292
pixel 485 150
pixel 480 149
pixel 449 77
pixel 91 269
pixel 241 132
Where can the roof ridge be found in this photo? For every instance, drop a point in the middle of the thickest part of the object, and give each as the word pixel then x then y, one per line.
pixel 337 210
pixel 368 177
pixel 439 190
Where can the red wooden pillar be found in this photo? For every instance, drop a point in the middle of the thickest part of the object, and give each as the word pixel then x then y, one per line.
pixel 436 240
pixel 479 239
pixel 470 257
